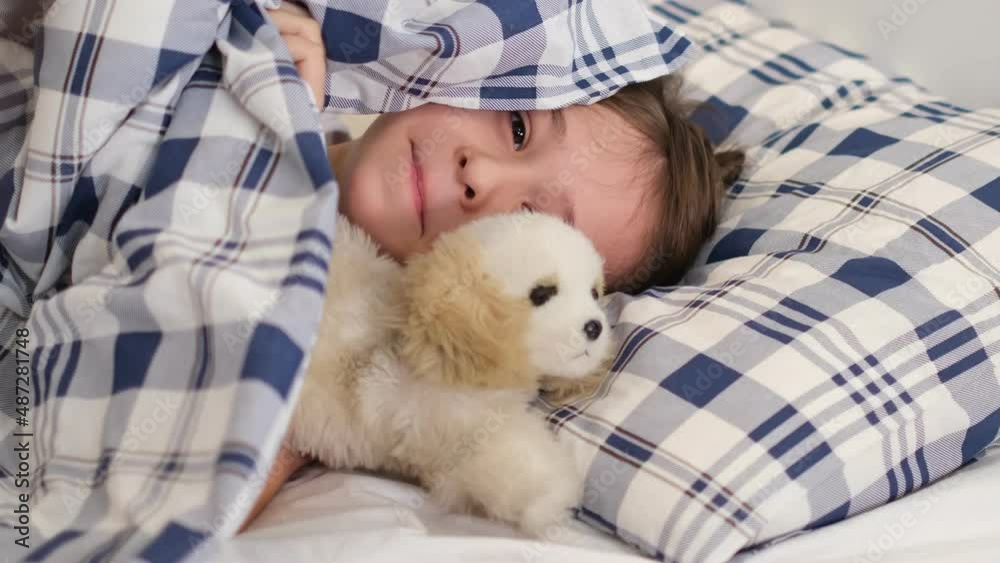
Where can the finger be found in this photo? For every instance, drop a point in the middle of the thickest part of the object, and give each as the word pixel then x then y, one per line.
pixel 302 49
pixel 287 462
pixel 310 60
pixel 298 26
pixel 294 8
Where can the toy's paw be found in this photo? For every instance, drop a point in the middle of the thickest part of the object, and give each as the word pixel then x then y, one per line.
pixel 521 474
pixel 549 516
pixel 548 512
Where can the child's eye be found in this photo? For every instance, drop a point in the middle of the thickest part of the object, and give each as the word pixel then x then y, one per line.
pixel 518 129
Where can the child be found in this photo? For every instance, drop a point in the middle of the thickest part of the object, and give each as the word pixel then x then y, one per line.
pixel 632 172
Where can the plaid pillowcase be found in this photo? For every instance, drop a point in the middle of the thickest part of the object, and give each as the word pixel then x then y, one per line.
pixel 835 346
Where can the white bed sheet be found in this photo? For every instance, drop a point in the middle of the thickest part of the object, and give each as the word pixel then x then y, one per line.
pixel 325 516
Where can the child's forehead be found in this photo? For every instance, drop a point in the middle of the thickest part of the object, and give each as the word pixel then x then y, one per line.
pixel 601 136
pixel 604 136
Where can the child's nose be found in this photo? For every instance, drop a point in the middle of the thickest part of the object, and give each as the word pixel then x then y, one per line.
pixel 489 183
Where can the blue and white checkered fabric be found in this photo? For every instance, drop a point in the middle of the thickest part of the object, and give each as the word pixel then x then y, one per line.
pixel 539 54
pixel 837 345
pixel 167 209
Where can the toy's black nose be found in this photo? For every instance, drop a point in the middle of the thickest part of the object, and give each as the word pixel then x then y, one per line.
pixel 593 329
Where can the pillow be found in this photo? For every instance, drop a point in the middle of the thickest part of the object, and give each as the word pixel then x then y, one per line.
pixel 835 345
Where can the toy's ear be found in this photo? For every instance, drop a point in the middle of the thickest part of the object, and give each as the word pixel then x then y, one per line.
pixel 460 328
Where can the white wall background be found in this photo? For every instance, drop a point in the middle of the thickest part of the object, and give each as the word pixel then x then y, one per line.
pixel 951 47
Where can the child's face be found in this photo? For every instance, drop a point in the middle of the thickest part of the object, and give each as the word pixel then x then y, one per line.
pixel 425 171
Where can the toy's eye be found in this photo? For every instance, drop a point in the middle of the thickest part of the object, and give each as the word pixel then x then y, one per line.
pixel 593 293
pixel 542 293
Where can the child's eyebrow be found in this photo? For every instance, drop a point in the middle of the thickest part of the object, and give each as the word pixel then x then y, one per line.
pixel 558 122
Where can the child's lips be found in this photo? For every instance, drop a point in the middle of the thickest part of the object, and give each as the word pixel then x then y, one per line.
pixel 417 181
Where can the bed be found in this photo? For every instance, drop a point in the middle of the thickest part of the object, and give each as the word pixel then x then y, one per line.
pixel 328 516
pixel 797 104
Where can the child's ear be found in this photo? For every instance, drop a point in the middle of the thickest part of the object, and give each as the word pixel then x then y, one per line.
pixel 460 328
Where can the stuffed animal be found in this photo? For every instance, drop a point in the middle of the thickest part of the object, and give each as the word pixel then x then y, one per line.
pixel 427 370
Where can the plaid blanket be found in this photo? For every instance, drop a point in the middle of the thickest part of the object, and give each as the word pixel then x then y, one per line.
pixel 167 210
pixel 837 343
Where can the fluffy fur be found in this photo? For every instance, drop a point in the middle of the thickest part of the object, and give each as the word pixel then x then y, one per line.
pixel 427 370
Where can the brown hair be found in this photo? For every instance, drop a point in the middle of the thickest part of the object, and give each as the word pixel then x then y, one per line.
pixel 689 173
pixel 20 22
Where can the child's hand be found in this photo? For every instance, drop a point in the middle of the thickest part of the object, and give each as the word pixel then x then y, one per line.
pixel 287 462
pixel 302 35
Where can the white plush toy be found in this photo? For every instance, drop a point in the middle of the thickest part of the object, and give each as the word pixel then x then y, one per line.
pixel 427 370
